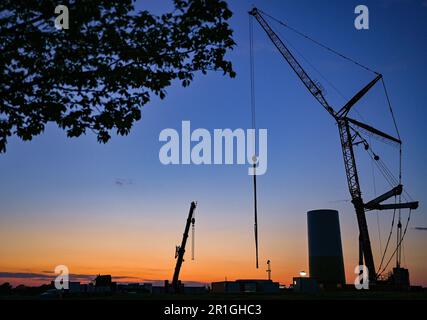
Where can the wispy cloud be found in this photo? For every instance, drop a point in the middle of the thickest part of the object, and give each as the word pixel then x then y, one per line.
pixel 122 182
pixel 24 275
pixel 46 276
pixel 50 275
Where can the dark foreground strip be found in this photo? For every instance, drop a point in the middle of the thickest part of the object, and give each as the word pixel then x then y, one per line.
pixel 216 309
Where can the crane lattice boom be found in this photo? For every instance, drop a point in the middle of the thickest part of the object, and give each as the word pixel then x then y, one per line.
pixel 347 137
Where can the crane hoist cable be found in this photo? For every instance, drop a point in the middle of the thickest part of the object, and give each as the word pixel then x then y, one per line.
pixel 389 177
pixel 399 224
pixel 253 120
pixel 193 234
pixel 298 52
pixel 399 244
pixel 392 181
pixel 386 172
pixel 388 240
pixel 318 43
pixel 375 195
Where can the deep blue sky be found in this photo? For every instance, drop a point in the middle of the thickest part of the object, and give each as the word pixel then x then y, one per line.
pixel 62 181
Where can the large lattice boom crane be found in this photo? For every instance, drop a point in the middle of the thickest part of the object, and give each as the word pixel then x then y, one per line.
pixel 348 137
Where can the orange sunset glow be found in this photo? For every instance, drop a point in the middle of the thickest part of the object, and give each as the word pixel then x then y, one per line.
pixel 119 126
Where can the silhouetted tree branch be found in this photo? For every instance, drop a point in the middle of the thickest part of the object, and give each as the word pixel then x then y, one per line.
pixel 100 72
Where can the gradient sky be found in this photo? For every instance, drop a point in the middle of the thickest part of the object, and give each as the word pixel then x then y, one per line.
pixel 61 203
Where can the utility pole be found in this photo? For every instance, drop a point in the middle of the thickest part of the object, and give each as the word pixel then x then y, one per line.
pixel 269 269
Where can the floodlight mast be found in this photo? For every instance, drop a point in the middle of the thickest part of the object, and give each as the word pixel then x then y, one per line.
pixel 348 136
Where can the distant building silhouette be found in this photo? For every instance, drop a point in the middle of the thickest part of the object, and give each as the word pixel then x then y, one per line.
pixel 246 286
pixel 103 283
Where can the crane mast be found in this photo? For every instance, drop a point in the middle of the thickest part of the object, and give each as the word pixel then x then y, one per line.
pixel 347 137
pixel 365 250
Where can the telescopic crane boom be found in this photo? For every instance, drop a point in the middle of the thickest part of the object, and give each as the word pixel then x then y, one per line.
pixel 180 250
pixel 348 138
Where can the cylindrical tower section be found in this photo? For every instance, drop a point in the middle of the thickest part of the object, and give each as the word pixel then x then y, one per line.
pixel 326 261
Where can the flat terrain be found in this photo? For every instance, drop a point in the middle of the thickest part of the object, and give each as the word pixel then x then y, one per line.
pixel 343 295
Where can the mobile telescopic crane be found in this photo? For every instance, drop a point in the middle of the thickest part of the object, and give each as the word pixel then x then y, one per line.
pixel 180 250
pixel 349 137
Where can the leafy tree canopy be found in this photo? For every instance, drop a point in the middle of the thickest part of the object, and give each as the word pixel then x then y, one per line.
pixel 97 74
